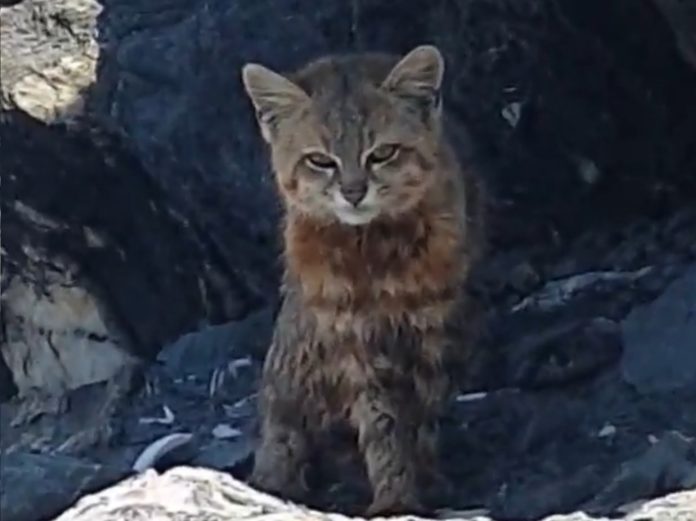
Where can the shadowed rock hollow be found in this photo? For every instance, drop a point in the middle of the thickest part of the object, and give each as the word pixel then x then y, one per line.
pixel 139 242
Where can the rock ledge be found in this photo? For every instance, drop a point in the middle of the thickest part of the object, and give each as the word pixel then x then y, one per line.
pixel 188 493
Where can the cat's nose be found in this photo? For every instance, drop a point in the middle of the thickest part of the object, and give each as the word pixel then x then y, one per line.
pixel 354 193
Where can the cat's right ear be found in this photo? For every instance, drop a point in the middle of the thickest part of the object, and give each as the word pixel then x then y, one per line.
pixel 418 76
pixel 273 96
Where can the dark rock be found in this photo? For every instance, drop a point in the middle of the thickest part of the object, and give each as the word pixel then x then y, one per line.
pixel 220 362
pixel 680 232
pixel 225 454
pixel 548 421
pixel 638 247
pixel 564 353
pixel 8 388
pixel 204 350
pixel 669 465
pixel 523 278
pixel 556 294
pixel 37 487
pixel 584 256
pixel 684 219
pixel 503 447
pixel 496 63
pixel 542 499
pixel 79 422
pixel 200 382
pixel 660 339
pixel 682 20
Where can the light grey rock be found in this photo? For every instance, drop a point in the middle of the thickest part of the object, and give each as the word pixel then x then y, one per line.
pixel 194 494
pixel 564 352
pixel 660 339
pixel 58 338
pixel 557 293
pixel 48 57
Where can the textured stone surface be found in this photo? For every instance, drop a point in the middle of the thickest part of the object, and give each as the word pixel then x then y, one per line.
pixel 48 57
pixel 57 338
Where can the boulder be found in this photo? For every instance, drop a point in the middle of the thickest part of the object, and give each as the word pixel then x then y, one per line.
pixel 98 270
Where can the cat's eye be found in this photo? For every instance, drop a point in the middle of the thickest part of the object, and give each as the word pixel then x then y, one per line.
pixel 320 161
pixel 382 154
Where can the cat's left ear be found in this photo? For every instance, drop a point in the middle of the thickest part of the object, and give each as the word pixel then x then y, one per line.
pixel 273 95
pixel 418 75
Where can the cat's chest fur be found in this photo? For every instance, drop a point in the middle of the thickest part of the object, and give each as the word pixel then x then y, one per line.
pixel 401 271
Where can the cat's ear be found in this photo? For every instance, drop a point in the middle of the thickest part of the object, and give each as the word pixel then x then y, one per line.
pixel 418 75
pixel 273 96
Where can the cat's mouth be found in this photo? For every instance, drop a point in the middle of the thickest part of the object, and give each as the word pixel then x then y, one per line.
pixel 356 215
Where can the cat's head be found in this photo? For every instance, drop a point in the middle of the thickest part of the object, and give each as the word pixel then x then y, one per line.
pixel 352 138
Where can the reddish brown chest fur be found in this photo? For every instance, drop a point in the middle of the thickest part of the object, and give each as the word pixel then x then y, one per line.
pixel 391 272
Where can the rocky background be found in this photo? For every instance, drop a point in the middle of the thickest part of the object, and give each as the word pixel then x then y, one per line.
pixel 139 248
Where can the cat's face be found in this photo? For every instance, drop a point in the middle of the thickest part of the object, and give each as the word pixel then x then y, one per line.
pixel 354 138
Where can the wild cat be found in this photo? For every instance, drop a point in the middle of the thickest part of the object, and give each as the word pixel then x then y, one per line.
pixel 381 228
